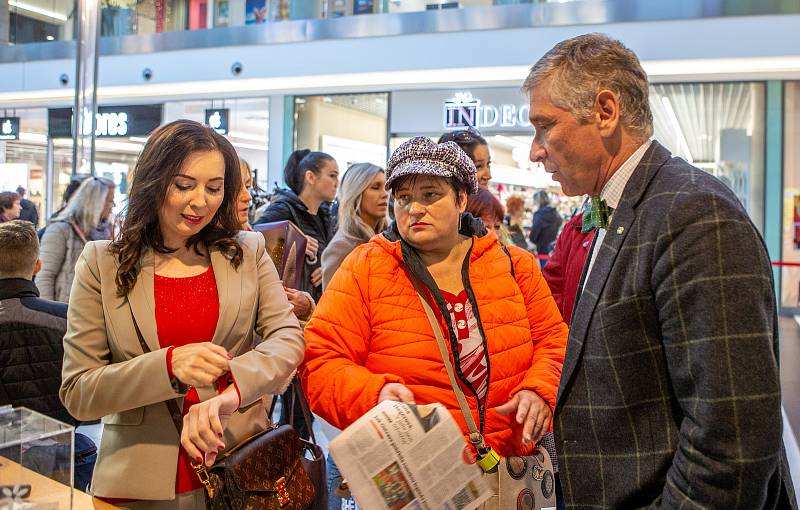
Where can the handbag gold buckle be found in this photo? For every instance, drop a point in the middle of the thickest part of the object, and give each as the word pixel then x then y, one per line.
pixel 202 474
pixel 283 494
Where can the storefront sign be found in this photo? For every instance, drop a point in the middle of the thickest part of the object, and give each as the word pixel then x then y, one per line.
pixel 464 110
pixel 9 128
pixel 492 110
pixel 217 119
pixel 110 121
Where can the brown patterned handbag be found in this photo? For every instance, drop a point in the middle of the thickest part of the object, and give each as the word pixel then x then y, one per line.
pixel 263 473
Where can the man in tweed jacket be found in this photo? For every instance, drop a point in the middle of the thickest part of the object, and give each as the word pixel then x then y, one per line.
pixel 669 395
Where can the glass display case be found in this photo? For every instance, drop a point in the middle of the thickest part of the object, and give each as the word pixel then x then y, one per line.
pixel 35 461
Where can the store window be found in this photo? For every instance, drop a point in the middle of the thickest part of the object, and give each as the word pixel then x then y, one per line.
pixel 32 21
pixel 23 156
pixel 246 125
pixel 353 128
pixel 790 273
pixel 718 127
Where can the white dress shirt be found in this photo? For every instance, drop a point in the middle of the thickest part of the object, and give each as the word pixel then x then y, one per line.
pixel 612 194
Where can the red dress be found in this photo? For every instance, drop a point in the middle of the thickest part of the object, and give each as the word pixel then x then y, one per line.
pixel 187 310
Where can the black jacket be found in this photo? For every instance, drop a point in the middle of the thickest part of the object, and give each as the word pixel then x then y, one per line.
pixel 288 206
pixel 31 350
pixel 28 212
pixel 544 231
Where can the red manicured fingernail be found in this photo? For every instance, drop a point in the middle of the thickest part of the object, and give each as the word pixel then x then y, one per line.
pixel 198 460
pixel 220 434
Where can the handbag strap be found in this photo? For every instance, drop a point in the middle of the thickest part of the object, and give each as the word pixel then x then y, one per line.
pixel 172 405
pixel 475 436
pixel 297 393
pixel 78 231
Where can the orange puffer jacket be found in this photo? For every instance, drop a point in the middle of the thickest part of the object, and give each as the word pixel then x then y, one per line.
pixel 369 329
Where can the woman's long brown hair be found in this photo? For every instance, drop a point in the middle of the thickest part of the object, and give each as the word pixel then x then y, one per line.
pixel 161 159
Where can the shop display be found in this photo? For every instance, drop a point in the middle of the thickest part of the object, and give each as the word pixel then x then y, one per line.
pixel 336 8
pixel 222 13
pixel 363 6
pixel 255 12
pixel 36 462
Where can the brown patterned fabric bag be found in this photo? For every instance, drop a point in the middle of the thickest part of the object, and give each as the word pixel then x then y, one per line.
pixel 263 473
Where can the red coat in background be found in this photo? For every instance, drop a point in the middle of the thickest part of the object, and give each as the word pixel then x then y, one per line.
pixel 563 270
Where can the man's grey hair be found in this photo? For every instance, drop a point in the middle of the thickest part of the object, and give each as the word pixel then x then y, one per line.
pixel 575 70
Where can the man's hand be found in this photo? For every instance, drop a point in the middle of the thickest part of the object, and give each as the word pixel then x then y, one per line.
pixel 316 277
pixel 200 364
pixel 312 245
pixel 532 412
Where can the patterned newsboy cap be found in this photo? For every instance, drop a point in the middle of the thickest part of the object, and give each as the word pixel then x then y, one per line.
pixel 422 156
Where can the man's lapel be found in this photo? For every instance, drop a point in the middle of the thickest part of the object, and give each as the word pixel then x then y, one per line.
pixel 616 234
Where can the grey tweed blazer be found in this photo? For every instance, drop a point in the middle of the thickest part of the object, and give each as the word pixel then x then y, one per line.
pixel 669 395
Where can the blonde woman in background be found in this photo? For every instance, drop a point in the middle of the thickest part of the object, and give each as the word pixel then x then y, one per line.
pixel 363 204
pixel 84 219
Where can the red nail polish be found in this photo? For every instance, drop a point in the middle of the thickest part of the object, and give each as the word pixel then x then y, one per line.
pixel 198 460
pixel 220 434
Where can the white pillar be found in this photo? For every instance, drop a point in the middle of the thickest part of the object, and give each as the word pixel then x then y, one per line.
pixel 5 25
pixel 86 63
pixel 276 141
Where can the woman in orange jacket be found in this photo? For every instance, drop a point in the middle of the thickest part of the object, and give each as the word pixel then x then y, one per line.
pixel 369 339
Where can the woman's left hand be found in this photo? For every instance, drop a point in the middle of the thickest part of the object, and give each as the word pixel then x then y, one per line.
pixel 204 426
pixel 532 412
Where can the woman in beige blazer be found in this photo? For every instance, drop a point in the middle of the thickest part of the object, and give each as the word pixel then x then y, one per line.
pixel 124 354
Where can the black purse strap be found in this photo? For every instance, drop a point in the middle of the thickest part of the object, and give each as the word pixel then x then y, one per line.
pixel 172 404
pixel 297 393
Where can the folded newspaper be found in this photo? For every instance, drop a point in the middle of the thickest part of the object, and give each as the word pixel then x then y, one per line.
pixel 408 457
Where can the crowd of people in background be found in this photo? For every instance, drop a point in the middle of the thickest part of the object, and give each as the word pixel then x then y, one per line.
pixel 177 298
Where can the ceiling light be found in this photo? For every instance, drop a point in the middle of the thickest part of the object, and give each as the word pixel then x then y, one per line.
pixel 247 136
pixel 511 142
pixel 250 146
pixel 33 137
pixel 743 68
pixel 104 145
pixel 678 131
pixel 37 10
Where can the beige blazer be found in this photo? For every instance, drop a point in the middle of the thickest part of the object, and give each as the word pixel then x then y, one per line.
pixel 106 374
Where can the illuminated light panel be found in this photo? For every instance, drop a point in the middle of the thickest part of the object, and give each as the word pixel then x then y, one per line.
pixel 395 80
pixel 37 10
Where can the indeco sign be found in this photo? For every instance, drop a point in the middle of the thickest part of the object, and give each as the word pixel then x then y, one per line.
pixel 465 110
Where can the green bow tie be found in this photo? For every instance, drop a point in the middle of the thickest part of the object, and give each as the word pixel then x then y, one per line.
pixel 596 215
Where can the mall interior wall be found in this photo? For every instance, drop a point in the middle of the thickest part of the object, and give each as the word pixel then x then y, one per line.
pixel 432 54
